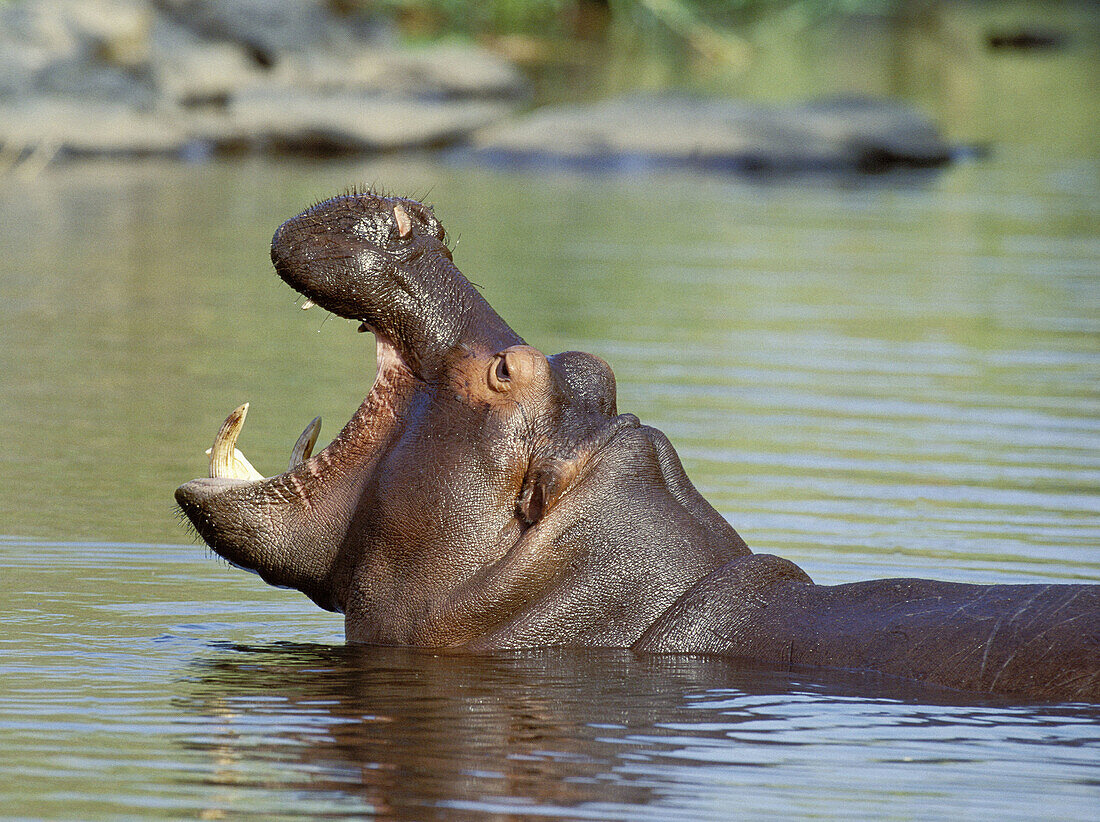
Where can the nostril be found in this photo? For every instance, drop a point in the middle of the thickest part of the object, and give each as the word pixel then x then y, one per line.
pixel 500 375
pixel 518 367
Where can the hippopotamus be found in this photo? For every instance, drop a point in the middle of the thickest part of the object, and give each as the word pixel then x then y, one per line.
pixel 486 496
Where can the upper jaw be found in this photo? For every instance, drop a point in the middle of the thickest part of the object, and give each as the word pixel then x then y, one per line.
pixel 360 255
pixel 383 261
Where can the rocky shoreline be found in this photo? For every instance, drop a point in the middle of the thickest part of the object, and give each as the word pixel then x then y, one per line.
pixel 135 77
pixel 193 79
pixel 641 132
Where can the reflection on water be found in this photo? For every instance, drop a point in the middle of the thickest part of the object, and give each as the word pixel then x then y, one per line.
pixel 885 377
pixel 601 735
pixel 120 697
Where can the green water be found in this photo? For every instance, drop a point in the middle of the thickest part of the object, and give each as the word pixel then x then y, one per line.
pixel 898 373
pixel 885 377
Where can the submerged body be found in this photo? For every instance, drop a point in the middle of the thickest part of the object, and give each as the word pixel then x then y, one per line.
pixel 488 496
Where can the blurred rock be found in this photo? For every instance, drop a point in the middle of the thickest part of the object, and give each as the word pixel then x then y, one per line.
pixel 190 71
pixel 77 48
pixel 84 128
pixel 195 77
pixel 1028 38
pixel 348 121
pixel 81 77
pixel 644 131
pixel 269 29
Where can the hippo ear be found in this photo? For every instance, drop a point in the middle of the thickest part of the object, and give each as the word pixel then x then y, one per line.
pixel 543 486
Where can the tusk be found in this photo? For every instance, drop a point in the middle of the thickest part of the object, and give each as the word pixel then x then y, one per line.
pixel 226 461
pixel 308 304
pixel 304 446
pixel 242 468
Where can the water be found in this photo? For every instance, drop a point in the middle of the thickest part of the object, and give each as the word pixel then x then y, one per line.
pixel 888 377
pixel 886 380
pixel 149 683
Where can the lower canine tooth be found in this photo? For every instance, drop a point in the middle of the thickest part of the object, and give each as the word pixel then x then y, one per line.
pixel 226 461
pixel 242 468
pixel 304 446
pixel 308 304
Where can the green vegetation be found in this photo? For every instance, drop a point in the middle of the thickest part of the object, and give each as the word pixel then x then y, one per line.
pixel 713 34
pixel 689 18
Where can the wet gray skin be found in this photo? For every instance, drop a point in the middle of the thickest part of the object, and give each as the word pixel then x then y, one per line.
pixel 487 496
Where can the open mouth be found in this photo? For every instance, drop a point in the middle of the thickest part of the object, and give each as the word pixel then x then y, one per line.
pixel 289 527
pixel 227 462
pixel 380 260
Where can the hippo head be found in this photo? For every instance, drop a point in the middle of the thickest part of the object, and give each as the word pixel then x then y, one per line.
pixel 484 494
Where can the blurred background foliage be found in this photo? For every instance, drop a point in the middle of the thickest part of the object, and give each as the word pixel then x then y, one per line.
pixel 593 17
pixel 935 53
pixel 532 31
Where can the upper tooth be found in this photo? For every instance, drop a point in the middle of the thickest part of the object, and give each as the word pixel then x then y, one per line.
pixel 225 460
pixel 308 304
pixel 304 446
